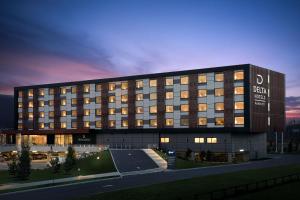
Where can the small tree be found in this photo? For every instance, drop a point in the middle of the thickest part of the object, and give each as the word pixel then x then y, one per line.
pixel 24 164
pixel 70 160
pixel 188 153
pixel 12 167
pixel 55 165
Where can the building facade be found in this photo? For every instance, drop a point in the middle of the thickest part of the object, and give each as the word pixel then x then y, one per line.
pixel 223 109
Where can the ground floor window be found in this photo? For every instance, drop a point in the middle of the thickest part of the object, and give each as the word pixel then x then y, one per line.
pixel 34 139
pixel 199 140
pixel 164 140
pixel 212 140
pixel 63 139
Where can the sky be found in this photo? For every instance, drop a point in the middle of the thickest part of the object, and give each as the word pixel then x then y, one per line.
pixel 57 41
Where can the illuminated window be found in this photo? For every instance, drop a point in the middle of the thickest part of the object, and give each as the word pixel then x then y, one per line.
pixel 51 102
pixel 74 90
pixel 51 91
pixel 164 140
pixel 139 110
pixel 86 88
pixel 30 104
pixel 124 98
pixel 51 125
pixel 124 111
pixel 98 100
pixel 86 112
pixel 124 85
pixel 63 125
pixel 98 112
pixel 202 78
pixel 42 114
pixel 153 83
pixel 219 77
pixel 20 115
pixel 111 86
pixel 219 121
pixel 139 84
pixel 20 126
pixel 41 92
pixel 41 125
pixel 219 106
pixel 239 90
pixel 153 109
pixel 63 90
pixel 202 107
pixel 169 122
pixel 63 102
pixel 86 100
pixel 74 124
pixel 184 80
pixel 20 105
pixel 74 113
pixel 169 95
pixel 199 140
pixel 63 113
pixel 239 120
pixel 169 81
pixel 98 124
pixel 211 140
pixel 202 93
pixel 153 96
pixel 219 92
pixel 112 111
pixel 239 75
pixel 169 109
pixel 202 121
pixel 184 108
pixel 30 93
pixel 111 123
pixel 184 94
pixel 184 122
pixel 124 123
pixel 41 103
pixel 86 124
pixel 51 114
pixel 73 101
pixel 98 87
pixel 239 105
pixel 20 94
pixel 139 97
pixel 139 122
pixel 153 122
pixel 111 99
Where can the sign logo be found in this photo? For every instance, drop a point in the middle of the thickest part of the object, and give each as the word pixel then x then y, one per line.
pixel 260 92
pixel 259 79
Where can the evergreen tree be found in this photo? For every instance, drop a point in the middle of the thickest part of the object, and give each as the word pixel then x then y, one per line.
pixel 70 160
pixel 12 167
pixel 24 164
pixel 55 165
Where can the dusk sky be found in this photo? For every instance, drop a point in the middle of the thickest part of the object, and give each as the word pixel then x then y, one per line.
pixel 58 41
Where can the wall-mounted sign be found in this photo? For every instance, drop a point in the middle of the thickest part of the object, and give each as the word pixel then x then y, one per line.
pixel 260 92
pixel 84 138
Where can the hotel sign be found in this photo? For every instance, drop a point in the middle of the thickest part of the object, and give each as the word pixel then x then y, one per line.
pixel 260 92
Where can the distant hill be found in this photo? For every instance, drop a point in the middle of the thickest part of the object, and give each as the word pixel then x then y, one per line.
pixel 6 111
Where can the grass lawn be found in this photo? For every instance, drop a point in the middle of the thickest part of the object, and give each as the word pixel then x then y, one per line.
pixel 189 188
pixel 89 165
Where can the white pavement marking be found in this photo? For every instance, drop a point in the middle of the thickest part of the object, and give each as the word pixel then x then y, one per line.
pixel 112 157
pixel 106 186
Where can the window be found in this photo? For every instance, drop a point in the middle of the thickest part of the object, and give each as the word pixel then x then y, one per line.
pixel 86 112
pixel 139 84
pixel 98 87
pixel 164 140
pixel 219 77
pixel 20 94
pixel 30 104
pixel 125 123
pixel 51 125
pixel 153 109
pixel 98 100
pixel 20 105
pixel 51 102
pixel 41 103
pixel 98 124
pixel 63 90
pixel 74 124
pixel 211 140
pixel 199 140
pixel 184 94
pixel 202 93
pixel 219 92
pixel 111 123
pixel 51 114
pixel 169 81
pixel 124 98
pixel 202 78
pixel 20 126
pixel 202 107
pixel 63 102
pixel 63 125
pixel 169 122
pixel 184 108
pixel 139 110
pixel 184 80
pixel 41 92
pixel 153 96
pixel 239 120
pixel 139 122
pixel 124 111
pixel 238 75
pixel 42 114
pixel 74 113
pixel 239 105
pixel 169 109
pixel 63 113
pixel 30 93
pixel 153 122
pixel 41 125
pixel 111 111
pixel 239 90
pixel 184 122
pixel 74 89
pixel 111 99
pixel 139 97
pixel 86 124
pixel 124 85
pixel 219 106
pixel 20 115
pixel 98 112
pixel 111 86
pixel 86 100
pixel 51 91
pixel 219 121
pixel 73 101
pixel 169 95
pixel 202 121
pixel 86 88
pixel 153 83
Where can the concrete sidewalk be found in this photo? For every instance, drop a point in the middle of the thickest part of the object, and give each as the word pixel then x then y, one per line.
pixel 156 158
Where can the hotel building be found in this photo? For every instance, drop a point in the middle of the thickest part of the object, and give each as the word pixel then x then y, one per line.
pixel 224 109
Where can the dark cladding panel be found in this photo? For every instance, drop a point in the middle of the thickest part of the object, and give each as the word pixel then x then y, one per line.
pixel 36 109
pixel 79 106
pixel 56 108
pixel 131 104
pixel 160 102
pixel 104 105
pixel 25 110
pixel 193 100
pixel 228 99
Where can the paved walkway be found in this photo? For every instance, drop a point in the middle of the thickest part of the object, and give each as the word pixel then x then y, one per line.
pixel 156 158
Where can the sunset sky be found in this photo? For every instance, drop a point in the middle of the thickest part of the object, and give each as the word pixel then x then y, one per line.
pixel 58 41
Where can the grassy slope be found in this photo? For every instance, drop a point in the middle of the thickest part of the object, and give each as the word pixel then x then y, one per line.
pixel 87 166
